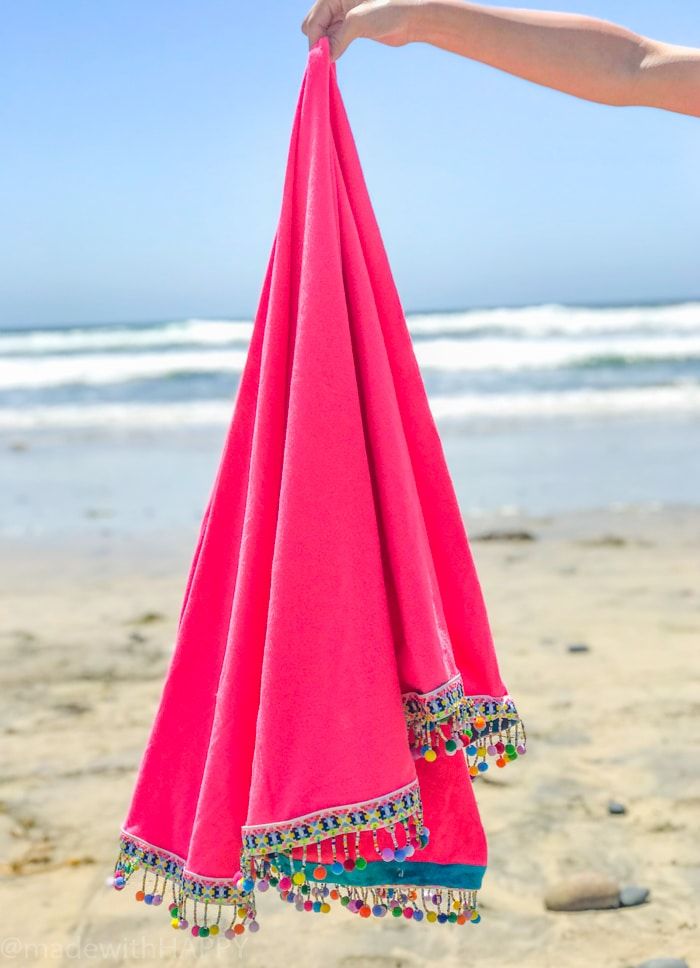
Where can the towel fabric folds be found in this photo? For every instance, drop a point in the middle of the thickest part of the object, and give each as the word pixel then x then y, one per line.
pixel 334 685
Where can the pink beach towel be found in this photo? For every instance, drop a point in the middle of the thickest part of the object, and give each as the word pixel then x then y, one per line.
pixel 334 685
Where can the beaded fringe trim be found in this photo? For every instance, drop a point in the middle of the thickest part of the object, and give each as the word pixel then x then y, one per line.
pixel 444 720
pixel 435 904
pixel 196 903
pixel 447 720
pixel 208 907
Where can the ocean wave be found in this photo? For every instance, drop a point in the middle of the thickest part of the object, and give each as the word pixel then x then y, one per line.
pixel 112 368
pixel 568 403
pixel 88 339
pixel 459 408
pixel 556 320
pixel 527 322
pixel 450 355
pixel 439 355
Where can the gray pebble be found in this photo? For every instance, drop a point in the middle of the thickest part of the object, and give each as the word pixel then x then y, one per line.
pixel 630 896
pixel 614 806
pixel 578 647
pixel 664 963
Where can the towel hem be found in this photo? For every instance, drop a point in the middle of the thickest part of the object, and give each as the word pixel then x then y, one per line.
pixel 446 720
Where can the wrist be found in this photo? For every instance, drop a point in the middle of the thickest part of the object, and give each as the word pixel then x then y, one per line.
pixel 428 20
pixel 422 17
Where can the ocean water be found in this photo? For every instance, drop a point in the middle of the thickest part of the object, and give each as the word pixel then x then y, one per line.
pixel 535 362
pixel 541 408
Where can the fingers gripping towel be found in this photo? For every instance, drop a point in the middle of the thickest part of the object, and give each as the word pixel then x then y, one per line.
pixel 334 686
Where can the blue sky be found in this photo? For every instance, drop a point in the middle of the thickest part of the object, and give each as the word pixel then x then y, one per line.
pixel 143 147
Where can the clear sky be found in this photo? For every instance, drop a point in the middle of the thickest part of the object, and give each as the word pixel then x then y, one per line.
pixel 143 143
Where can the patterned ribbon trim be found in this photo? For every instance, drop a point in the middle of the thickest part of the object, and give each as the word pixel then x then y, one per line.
pixel 136 854
pixel 197 903
pixel 400 809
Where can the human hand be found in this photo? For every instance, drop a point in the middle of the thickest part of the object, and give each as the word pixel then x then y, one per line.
pixel 342 21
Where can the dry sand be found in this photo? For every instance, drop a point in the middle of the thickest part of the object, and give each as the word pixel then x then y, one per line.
pixel 85 637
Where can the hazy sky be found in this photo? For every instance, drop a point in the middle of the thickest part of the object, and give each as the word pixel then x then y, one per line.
pixel 143 143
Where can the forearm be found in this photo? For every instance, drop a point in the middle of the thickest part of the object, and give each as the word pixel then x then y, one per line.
pixel 588 58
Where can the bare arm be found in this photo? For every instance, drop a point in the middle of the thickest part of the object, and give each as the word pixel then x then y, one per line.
pixel 583 56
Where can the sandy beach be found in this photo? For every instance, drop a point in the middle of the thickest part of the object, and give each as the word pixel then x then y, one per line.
pixel 86 634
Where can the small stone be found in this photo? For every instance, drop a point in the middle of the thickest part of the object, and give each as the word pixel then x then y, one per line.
pixel 614 806
pixel 578 647
pixel 631 896
pixel 664 963
pixel 583 892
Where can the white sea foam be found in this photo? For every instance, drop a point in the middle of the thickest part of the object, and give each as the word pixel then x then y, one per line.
pixel 446 355
pixel 95 369
pixel 507 354
pixel 527 321
pixel 194 332
pixel 553 320
pixel 568 403
pixel 446 409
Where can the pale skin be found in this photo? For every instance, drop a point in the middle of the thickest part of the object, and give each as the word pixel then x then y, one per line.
pixel 583 56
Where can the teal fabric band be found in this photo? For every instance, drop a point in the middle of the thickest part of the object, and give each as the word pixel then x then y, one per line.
pixel 466 877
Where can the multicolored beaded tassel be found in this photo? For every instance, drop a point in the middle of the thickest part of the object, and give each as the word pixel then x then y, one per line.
pixel 447 720
pixel 345 839
pixel 436 905
pixel 200 905
pixel 210 908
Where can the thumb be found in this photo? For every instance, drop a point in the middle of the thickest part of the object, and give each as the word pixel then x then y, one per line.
pixel 341 36
pixel 314 32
